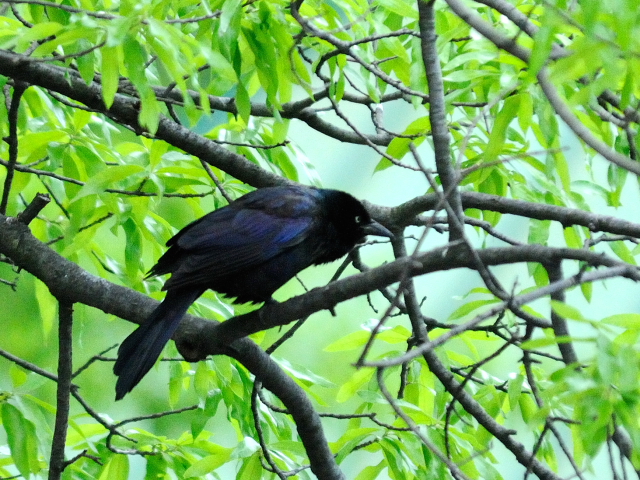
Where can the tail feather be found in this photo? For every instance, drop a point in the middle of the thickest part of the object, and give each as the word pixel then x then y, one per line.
pixel 140 350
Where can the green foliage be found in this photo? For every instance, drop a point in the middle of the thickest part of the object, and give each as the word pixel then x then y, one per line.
pixel 243 75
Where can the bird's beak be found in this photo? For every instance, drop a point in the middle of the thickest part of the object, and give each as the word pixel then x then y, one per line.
pixel 374 228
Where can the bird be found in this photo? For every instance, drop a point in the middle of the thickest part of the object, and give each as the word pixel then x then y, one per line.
pixel 245 251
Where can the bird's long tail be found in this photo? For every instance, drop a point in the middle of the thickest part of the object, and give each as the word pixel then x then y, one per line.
pixel 141 349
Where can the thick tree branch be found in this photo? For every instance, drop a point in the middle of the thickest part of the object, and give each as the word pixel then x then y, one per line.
pixel 299 109
pixel 488 31
pixel 308 422
pixel 522 21
pixel 406 213
pixel 449 176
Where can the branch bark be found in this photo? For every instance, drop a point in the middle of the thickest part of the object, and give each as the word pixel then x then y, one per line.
pixel 57 462
pixel 448 174
pixel 18 89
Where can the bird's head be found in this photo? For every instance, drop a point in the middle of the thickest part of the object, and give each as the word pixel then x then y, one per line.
pixel 351 218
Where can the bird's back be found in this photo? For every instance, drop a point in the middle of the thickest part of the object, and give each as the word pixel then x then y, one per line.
pixel 251 247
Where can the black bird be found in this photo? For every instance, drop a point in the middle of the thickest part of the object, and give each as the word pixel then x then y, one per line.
pixel 246 251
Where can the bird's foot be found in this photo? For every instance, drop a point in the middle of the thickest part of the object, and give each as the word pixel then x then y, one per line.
pixel 261 313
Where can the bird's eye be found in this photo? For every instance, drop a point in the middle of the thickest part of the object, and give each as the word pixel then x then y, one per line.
pixel 358 219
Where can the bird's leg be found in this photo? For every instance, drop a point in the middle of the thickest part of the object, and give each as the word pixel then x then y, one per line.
pixel 263 320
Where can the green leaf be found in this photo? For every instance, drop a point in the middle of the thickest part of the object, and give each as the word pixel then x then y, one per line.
pixel 243 103
pixel 203 381
pixel 163 42
pixel 562 170
pixel 349 342
pixel 370 472
pixel 132 249
pixel 21 437
pixel 261 42
pixel 566 311
pixel 157 467
pixel 286 165
pixel 304 375
pixel 108 178
pixel 135 59
pixel 18 375
pixel 543 42
pixel 117 468
pixel 626 320
pixel 351 387
pixel 209 463
pixel 572 238
pixel 460 76
pixel 86 62
pixel 623 252
pixel 351 438
pixel 500 128
pixel 544 342
pixel 400 7
pixel 528 408
pixel 525 112
pixel 463 59
pixel 110 71
pixel 469 307
pixel 383 164
pixel 540 274
pixel 251 468
pixel 399 146
pixel 36 145
pixel 515 391
pixel 394 458
pixel 39 31
pixel 48 307
pixel 203 415
pixel 149 111
pixel 397 334
pixel 627 89
pixel 71 39
pixel 587 290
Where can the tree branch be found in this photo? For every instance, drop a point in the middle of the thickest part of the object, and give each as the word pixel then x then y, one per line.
pixel 57 463
pixel 449 176
pixel 18 89
pixel 405 213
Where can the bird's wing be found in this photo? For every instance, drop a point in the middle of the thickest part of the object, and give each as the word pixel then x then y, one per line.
pixel 235 239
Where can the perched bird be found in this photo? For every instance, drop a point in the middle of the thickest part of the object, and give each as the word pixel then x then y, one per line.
pixel 246 251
